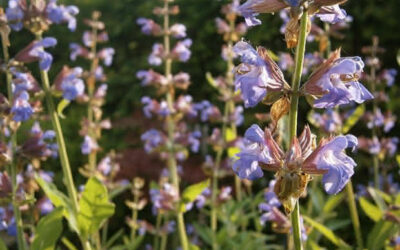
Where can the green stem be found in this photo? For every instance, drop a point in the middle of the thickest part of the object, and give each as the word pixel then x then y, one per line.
pixel 13 166
pixel 156 241
pixel 62 150
pixel 134 217
pixel 172 165
pixel 300 50
pixel 354 214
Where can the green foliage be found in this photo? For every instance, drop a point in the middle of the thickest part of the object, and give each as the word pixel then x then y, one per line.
pixel 2 245
pixel 192 191
pixel 353 119
pixel 61 106
pixel 372 211
pixel 328 233
pixel 94 207
pixel 381 233
pixel 48 230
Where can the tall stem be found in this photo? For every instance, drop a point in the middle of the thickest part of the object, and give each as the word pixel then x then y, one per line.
pixel 354 214
pixel 62 150
pixel 300 50
pixel 91 84
pixel 13 165
pixel 170 96
pixel 375 158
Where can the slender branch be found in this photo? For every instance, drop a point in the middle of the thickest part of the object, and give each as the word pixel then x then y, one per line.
pixel 170 96
pixel 13 166
pixel 300 50
pixel 354 214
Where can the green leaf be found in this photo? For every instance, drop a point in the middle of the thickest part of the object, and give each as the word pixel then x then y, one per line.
pixel 353 119
pixel 377 198
pixel 68 244
pixel 193 247
pixel 61 106
pixel 3 245
pixel 211 80
pixel 48 230
pixel 380 233
pixel 58 199
pixel 94 207
pixel 333 202
pixel 192 191
pixel 398 159
pixel 329 234
pixel 372 211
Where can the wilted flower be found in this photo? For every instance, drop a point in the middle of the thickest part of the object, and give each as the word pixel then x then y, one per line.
pixel 257 74
pixel 335 82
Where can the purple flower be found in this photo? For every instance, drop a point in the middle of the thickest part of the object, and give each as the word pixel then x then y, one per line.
pixel 105 166
pixel 256 75
pixel 194 141
pixel 336 82
pixel 331 14
pixel 164 198
pixel 151 77
pixel 45 58
pixel 62 14
pixel 329 121
pixel 285 61
pixel 45 206
pixel 15 15
pixel 149 106
pixel 21 108
pixel 178 30
pixel 89 145
pixel 87 39
pixel 255 150
pixel 148 26
pixel 389 75
pixel 156 55
pixel 330 156
pixel 181 50
pixel 107 55
pixel 7 220
pixel 152 139
pixel 72 85
pixel 77 50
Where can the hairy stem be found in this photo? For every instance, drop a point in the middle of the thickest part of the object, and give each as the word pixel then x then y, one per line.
pixel 13 166
pixel 62 150
pixel 170 96
pixel 300 50
pixel 354 214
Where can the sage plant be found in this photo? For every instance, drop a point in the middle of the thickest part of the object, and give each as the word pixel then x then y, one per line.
pixel 332 84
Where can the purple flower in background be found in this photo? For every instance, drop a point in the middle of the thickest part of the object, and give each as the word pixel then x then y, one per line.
pixel 15 15
pixel 164 198
pixel 21 108
pixel 60 14
pixel 256 75
pixel 285 61
pixel 181 50
pixel 45 206
pixel 89 145
pixel 389 75
pixel 194 141
pixel 77 50
pixel 107 55
pixel 105 166
pixel 7 220
pixel 149 77
pixel 72 85
pixel 37 51
pixel 149 27
pixel 336 82
pixel 157 54
pixel 178 31
pixel 152 138
pixel 238 116
pixel 329 121
pixel 149 106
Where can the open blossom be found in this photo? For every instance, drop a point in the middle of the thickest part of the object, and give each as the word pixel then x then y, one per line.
pixel 35 52
pixel 78 50
pixel 164 198
pixel 150 77
pixel 335 82
pixel 21 108
pixel 294 167
pixel 181 50
pixel 62 14
pixel 178 30
pixel 252 8
pixel 157 54
pixel 72 85
pixel 329 121
pixel 19 13
pixel 257 74
pixel 389 76
pixel 106 55
pixel 152 138
pixel 89 145
pixel 40 144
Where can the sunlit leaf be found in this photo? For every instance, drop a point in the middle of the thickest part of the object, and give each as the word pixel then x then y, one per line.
pixel 353 119
pixel 329 234
pixel 94 207
pixel 192 191
pixel 48 230
pixel 372 211
pixel 381 232
pixel 61 106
